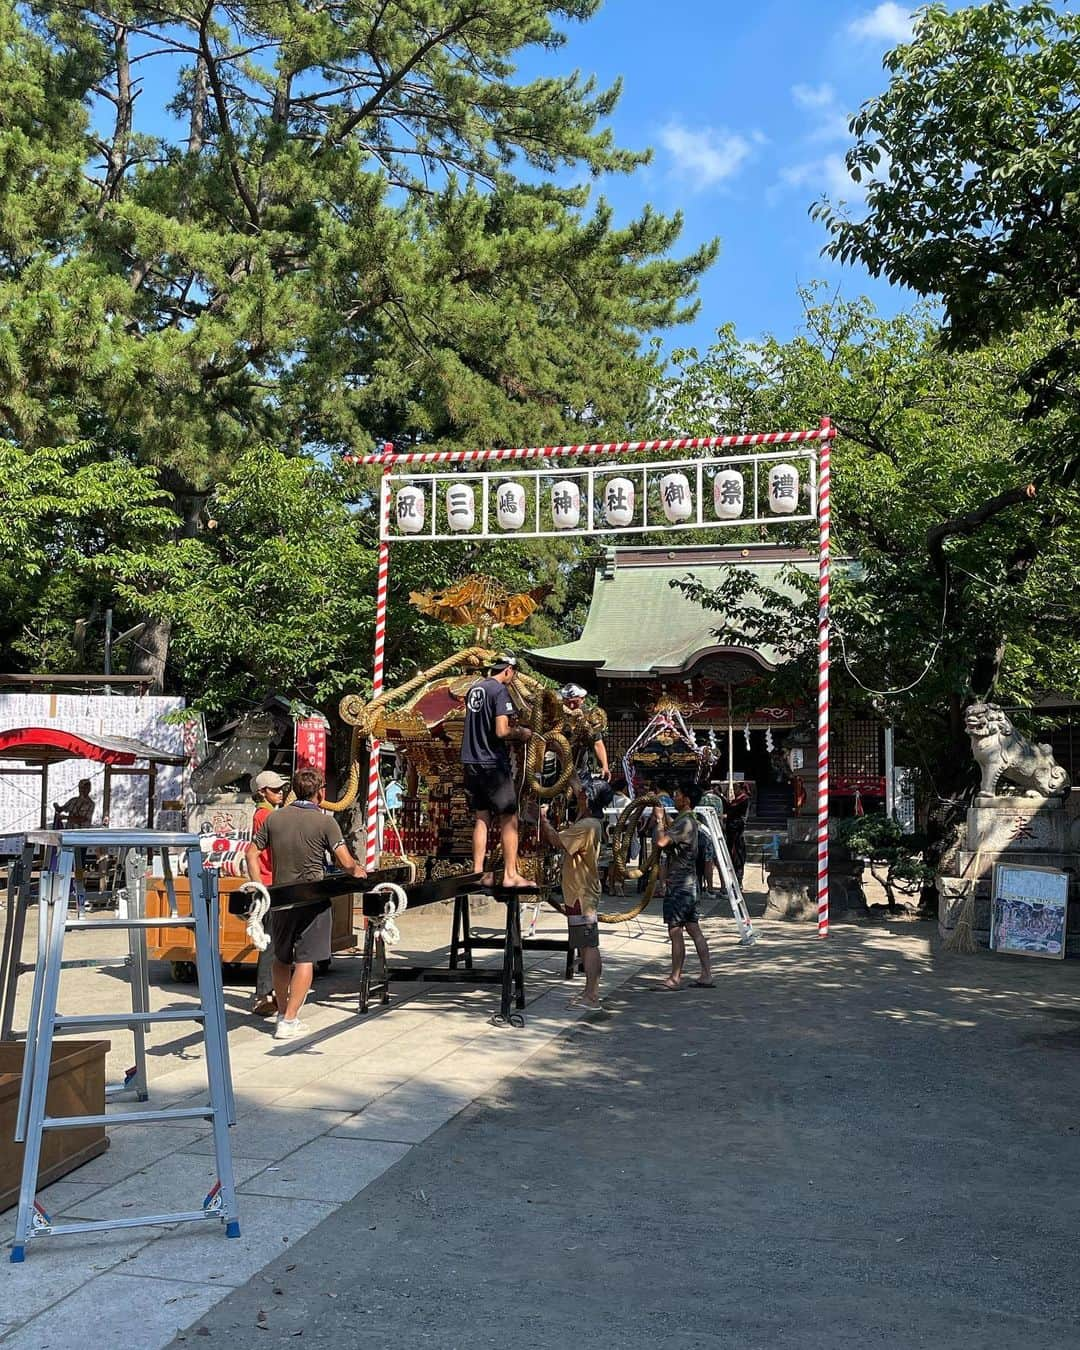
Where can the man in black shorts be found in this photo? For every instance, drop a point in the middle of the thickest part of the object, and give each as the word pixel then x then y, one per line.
pixel 489 782
pixel 299 837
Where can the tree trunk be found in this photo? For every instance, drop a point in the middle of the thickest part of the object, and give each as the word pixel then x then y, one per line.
pixel 150 656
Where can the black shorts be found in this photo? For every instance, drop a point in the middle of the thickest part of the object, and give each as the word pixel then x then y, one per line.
pixel 581 936
pixel 490 788
pixel 681 905
pixel 301 934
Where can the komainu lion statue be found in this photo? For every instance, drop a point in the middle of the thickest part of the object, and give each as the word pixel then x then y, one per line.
pixel 1002 753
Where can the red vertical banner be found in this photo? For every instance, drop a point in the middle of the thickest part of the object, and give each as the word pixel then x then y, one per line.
pixel 310 750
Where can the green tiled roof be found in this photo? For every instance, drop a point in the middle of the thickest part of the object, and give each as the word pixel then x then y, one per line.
pixel 640 625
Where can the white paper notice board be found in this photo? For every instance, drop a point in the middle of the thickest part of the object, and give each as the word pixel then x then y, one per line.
pixel 1029 910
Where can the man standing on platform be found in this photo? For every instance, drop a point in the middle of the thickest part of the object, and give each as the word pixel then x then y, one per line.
pixel 489 782
pixel 299 837
pixel 579 844
pixel 680 840
pixel 269 791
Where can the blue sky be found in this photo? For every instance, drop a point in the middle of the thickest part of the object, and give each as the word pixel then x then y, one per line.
pixel 746 107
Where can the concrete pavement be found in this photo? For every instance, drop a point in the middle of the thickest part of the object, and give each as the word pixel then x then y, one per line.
pixel 856 1143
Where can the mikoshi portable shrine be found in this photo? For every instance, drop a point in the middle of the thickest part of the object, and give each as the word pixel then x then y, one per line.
pixel 593 497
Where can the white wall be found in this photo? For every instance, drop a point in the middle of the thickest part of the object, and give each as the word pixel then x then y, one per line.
pixel 89 714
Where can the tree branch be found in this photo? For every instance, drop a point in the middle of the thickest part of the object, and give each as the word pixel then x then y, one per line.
pixel 970 523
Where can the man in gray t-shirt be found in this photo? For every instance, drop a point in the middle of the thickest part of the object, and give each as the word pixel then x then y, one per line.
pixel 300 837
pixel 679 840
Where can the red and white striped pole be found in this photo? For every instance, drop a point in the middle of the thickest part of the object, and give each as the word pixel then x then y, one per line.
pixel 824 544
pixel 381 590
pixel 388 457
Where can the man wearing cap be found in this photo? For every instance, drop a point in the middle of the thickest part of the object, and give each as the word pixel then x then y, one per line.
pixel 586 734
pixel 489 781
pixel 268 789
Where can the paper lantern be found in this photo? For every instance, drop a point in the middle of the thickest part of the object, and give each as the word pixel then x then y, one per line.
pixel 727 494
pixel 566 505
pixel 410 509
pixel 460 507
pixel 675 497
pixel 783 489
pixel 619 501
pixel 510 506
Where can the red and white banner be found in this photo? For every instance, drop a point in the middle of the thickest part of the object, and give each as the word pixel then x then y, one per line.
pixel 311 743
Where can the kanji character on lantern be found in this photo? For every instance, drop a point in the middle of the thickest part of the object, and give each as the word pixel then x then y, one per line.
pixel 566 505
pixel 728 494
pixel 675 497
pixel 510 506
pixel 460 507
pixel 410 509
pixel 619 501
pixel 783 488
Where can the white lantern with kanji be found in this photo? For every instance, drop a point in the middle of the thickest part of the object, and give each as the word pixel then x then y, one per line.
pixel 409 509
pixel 675 497
pixel 566 505
pixel 619 501
pixel 510 506
pixel 460 507
pixel 727 494
pixel 783 489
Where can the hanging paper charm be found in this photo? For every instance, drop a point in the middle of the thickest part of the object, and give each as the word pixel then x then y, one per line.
pixel 783 489
pixel 728 494
pixel 409 509
pixel 510 507
pixel 746 735
pixel 768 739
pixel 675 497
pixel 619 501
pixel 566 505
pixel 460 507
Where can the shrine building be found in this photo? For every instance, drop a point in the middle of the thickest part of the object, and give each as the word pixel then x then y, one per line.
pixel 644 640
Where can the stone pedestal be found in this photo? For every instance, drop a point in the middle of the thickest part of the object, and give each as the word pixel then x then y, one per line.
pixel 223 813
pixel 1036 832
pixel 793 884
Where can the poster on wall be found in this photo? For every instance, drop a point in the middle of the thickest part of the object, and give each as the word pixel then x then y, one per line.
pixel 1029 910
pixel 140 718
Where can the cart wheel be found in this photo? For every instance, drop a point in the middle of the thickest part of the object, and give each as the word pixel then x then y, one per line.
pixel 185 972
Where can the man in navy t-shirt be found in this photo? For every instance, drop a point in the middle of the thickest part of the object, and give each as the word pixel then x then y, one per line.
pixel 489 783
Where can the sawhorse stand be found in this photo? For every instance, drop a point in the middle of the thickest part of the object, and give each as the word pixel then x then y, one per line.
pixel 375 974
pixel 53 925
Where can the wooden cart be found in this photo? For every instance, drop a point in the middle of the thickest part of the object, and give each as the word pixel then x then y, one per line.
pixel 177 945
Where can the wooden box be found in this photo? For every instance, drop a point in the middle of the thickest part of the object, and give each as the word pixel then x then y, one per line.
pixel 178 944
pixel 76 1088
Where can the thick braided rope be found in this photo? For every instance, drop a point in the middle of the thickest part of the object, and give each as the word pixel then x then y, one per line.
pixel 385 927
pixel 260 907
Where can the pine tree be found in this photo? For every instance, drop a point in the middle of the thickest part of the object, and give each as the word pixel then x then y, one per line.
pixel 351 222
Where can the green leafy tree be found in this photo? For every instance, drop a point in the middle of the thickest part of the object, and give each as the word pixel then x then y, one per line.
pixel 958 574
pixel 351 222
pixel 971 161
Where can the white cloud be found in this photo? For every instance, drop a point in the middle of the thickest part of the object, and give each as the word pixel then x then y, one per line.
pixel 814 95
pixel 707 155
pixel 888 22
pixel 827 177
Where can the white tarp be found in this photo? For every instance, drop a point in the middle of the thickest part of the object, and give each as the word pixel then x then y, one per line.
pixel 91 715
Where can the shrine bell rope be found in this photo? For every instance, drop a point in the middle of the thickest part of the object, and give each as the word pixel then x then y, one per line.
pixel 388 458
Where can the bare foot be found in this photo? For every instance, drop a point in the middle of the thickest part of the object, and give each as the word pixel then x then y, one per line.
pixel 515 881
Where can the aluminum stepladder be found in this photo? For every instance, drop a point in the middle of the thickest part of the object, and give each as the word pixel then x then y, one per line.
pixel 709 817
pixel 53 924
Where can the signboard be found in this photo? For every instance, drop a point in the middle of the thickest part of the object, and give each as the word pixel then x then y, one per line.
pixel 311 743
pixel 1028 910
